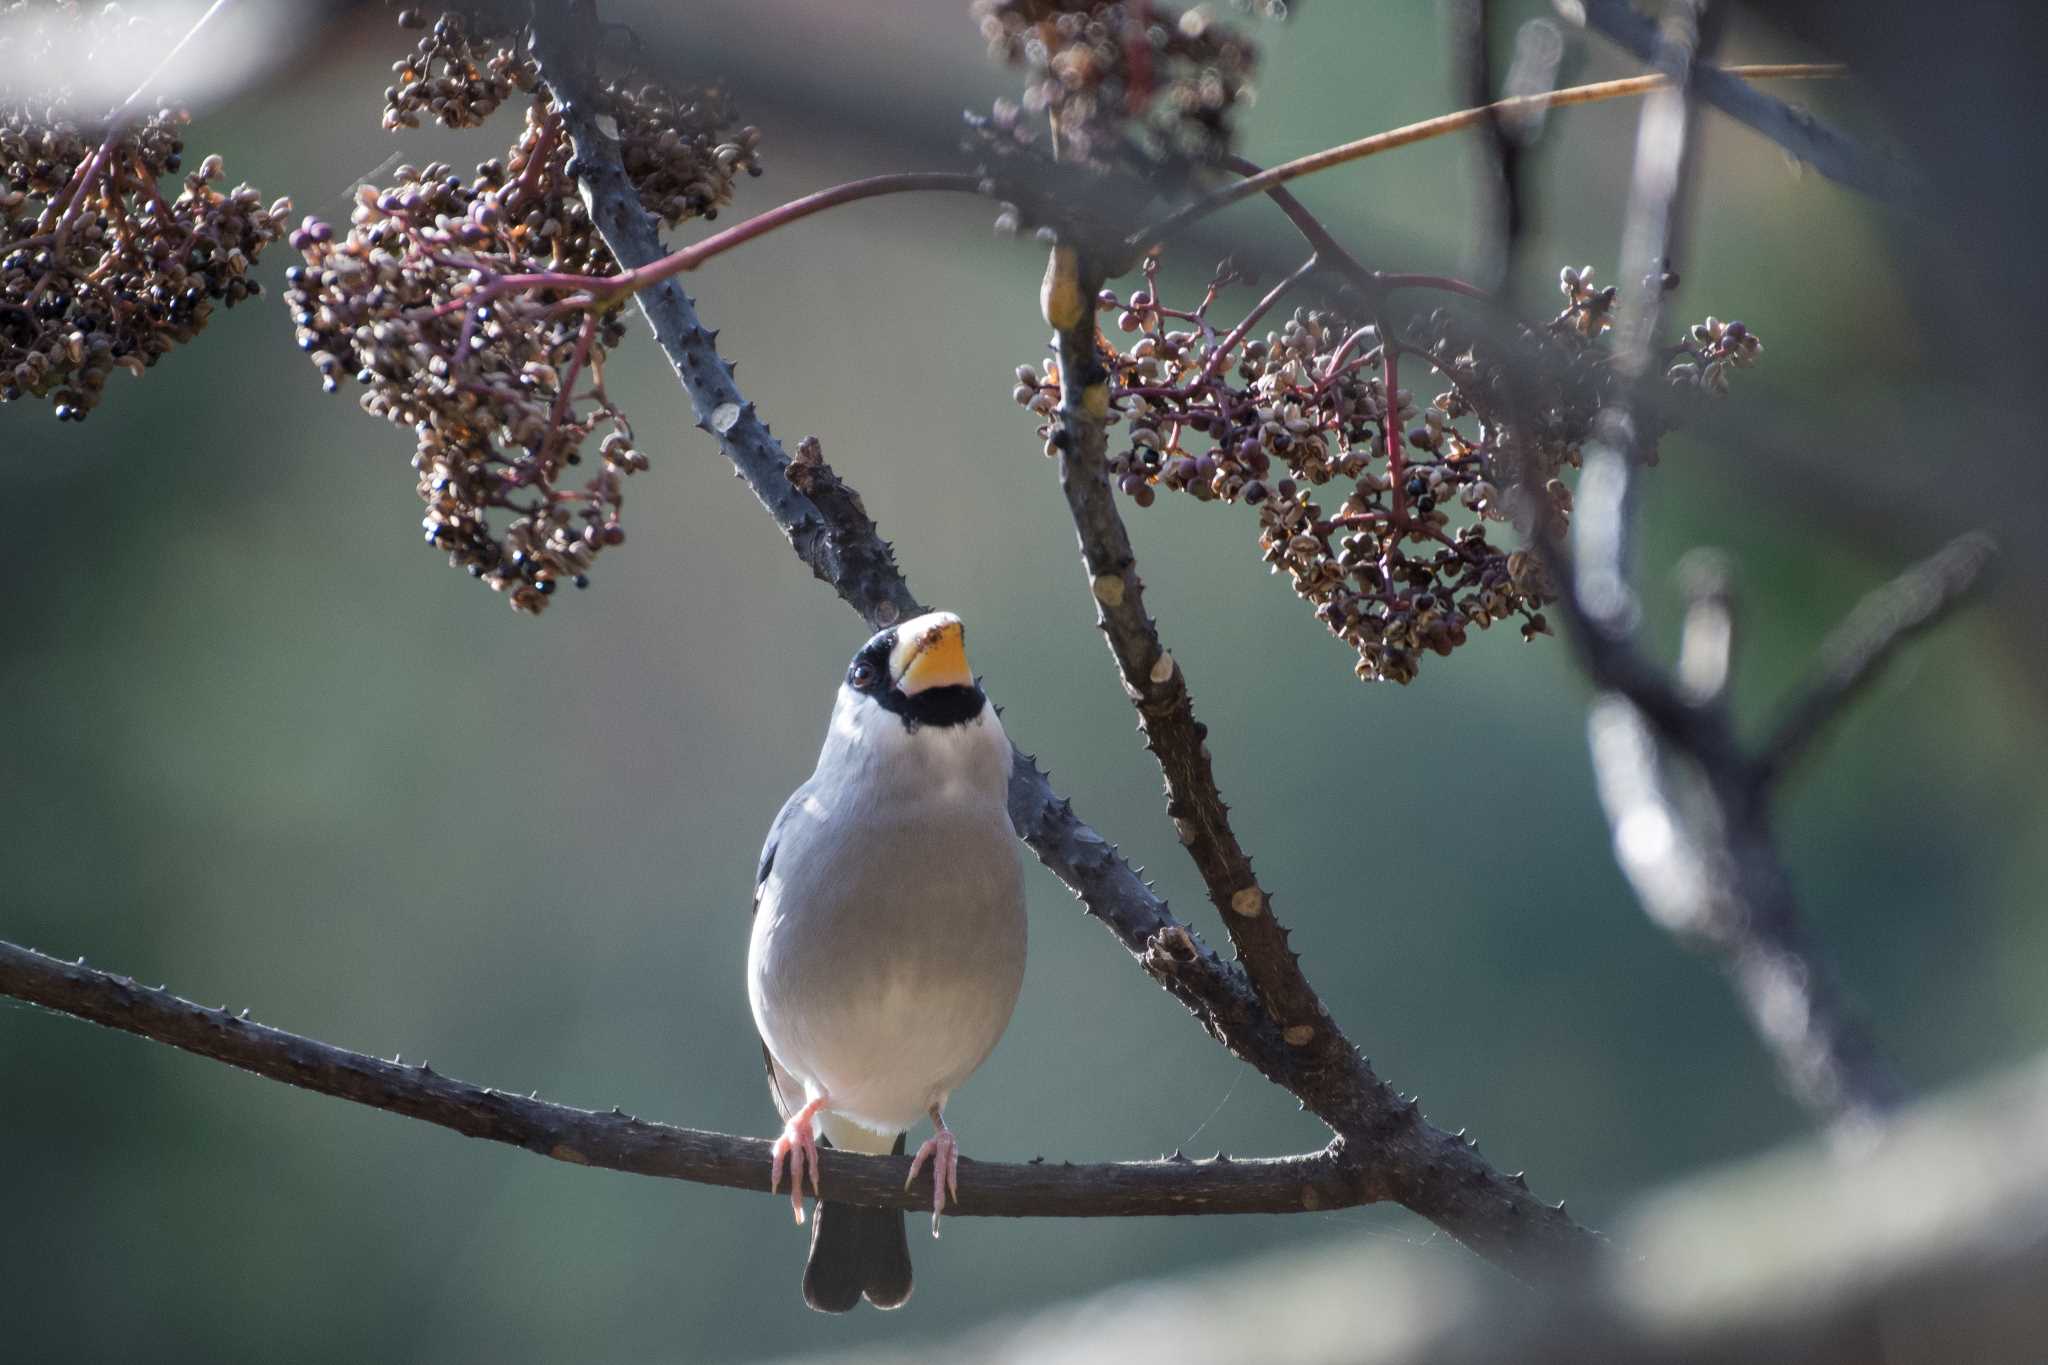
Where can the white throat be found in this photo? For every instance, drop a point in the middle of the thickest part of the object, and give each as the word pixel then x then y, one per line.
pixel 873 748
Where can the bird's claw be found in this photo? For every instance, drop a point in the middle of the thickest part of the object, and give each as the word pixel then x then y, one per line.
pixel 944 1154
pixel 797 1145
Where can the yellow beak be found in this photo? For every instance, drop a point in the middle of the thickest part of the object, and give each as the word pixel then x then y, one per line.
pixel 931 651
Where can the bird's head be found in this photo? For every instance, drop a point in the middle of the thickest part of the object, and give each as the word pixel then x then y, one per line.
pixel 918 672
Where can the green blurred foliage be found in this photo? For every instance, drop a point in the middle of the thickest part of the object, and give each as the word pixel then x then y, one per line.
pixel 262 746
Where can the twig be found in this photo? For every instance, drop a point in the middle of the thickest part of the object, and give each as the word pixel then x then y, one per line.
pixel 1851 657
pixel 1151 676
pixel 1825 149
pixel 1412 133
pixel 620 1142
pixel 1251 319
pixel 604 290
pixel 1500 154
pixel 1706 639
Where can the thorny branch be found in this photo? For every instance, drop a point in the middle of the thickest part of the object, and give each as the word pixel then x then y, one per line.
pixel 1427 1170
pixel 620 1142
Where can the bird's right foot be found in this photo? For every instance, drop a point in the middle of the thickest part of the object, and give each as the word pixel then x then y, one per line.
pixel 797 1145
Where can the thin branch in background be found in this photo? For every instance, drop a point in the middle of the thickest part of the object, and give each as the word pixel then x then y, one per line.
pixel 117 122
pixel 1690 832
pixel 1410 134
pixel 620 1142
pixel 1706 641
pixel 1371 284
pixel 1713 878
pixel 1501 203
pixel 1826 149
pixel 1851 657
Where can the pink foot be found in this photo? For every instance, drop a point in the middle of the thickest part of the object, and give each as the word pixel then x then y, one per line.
pixel 798 1144
pixel 944 1153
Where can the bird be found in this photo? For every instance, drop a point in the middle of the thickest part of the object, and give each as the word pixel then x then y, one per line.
pixel 888 942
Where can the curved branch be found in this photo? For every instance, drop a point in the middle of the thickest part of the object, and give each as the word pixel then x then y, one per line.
pixel 1409 134
pixel 601 290
pixel 1152 678
pixel 619 1142
pixel 1858 649
pixel 1434 1173
pixel 1825 149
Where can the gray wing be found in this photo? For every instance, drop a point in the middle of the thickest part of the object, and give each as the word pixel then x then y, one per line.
pixel 768 846
pixel 788 1094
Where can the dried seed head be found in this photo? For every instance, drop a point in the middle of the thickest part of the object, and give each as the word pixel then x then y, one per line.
pixel 1294 426
pixel 108 257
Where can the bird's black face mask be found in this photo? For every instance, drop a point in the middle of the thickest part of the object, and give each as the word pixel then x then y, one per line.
pixel 923 680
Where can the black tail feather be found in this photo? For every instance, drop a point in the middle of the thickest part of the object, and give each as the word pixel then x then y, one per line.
pixel 856 1251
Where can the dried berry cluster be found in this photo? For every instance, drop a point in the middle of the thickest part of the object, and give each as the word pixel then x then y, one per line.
pixel 464 67
pixel 680 147
pixel 98 270
pixel 473 311
pixel 1382 510
pixel 1105 72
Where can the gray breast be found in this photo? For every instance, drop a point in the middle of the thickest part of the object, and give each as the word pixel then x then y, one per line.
pixel 888 944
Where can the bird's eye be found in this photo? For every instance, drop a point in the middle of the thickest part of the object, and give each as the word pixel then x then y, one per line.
pixel 863 675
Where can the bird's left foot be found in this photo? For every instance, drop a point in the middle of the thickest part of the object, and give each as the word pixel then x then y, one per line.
pixel 943 1151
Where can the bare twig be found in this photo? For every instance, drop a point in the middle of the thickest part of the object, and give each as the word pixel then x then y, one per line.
pixel 1154 680
pixel 620 1142
pixel 1851 657
pixel 1827 150
pixel 601 290
pixel 1412 133
pixel 1706 642
pixel 1500 149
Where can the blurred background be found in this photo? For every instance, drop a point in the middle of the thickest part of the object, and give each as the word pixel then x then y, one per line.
pixel 263 746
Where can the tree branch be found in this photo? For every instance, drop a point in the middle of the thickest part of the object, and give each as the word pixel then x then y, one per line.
pixel 1828 151
pixel 1678 789
pixel 619 1142
pixel 1429 1171
pixel 1412 133
pixel 1851 658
